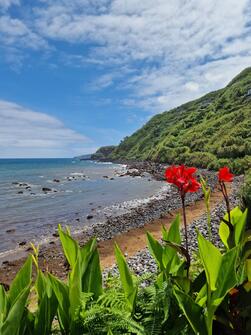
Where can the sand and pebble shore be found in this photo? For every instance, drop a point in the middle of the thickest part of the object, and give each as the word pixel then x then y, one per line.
pixel 136 216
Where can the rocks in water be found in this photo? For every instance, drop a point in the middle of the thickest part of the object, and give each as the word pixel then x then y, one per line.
pixel 56 180
pixel 22 243
pixel 46 189
pixel 106 177
pixel 89 217
pixel 20 192
pixel 10 231
pixel 55 234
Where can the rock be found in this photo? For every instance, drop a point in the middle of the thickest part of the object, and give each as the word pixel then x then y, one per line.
pixel 105 177
pixel 15 183
pixel 56 180
pixel 89 217
pixel 112 178
pixel 10 231
pixel 46 189
pixel 22 243
pixel 20 192
pixel 23 184
pixel 55 234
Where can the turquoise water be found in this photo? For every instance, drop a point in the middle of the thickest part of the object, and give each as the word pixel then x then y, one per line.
pixel 28 213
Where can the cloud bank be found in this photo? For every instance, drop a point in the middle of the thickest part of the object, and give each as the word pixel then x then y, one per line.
pixel 154 54
pixel 26 133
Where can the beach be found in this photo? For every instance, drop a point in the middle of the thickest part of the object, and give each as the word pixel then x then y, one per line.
pixel 125 223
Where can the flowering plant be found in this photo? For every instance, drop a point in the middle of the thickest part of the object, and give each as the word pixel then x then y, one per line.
pixel 184 179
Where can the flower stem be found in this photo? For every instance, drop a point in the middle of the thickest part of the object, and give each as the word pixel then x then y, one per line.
pixel 224 192
pixel 185 225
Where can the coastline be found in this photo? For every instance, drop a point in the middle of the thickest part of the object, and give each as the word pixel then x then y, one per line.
pixel 128 229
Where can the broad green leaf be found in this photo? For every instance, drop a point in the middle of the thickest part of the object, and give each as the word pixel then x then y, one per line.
pixel 156 250
pixel 248 269
pixel 92 278
pixel 3 304
pixel 202 296
pixel 211 259
pixel 86 254
pixel 239 227
pixel 192 311
pixel 70 247
pixel 226 276
pixel 173 234
pixel 21 281
pixel 12 322
pixel 62 294
pixel 182 283
pixel 170 259
pixel 128 284
pixel 75 287
pixel 224 233
pixel 47 305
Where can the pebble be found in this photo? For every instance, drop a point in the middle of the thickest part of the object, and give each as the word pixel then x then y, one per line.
pixel 143 262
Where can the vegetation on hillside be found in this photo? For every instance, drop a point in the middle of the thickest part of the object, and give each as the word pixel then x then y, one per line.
pixel 103 152
pixel 209 132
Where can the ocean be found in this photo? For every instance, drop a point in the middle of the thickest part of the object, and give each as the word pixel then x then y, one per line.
pixel 38 194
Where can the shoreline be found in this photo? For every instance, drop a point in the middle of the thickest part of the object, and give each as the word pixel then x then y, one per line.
pixel 148 214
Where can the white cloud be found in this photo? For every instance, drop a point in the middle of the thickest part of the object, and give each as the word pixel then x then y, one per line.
pixel 5 4
pixel 25 133
pixel 14 32
pixel 176 50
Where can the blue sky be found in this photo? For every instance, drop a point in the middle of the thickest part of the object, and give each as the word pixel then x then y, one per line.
pixel 79 74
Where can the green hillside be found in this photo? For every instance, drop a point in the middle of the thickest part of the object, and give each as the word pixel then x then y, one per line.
pixel 209 132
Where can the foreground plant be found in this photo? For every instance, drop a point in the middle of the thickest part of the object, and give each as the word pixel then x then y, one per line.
pixel 214 300
pixel 13 304
pixel 207 195
pixel 225 176
pixel 184 179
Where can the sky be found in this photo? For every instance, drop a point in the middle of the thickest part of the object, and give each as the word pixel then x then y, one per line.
pixel 79 74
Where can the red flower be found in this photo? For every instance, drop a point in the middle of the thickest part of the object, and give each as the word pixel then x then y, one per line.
pixel 182 177
pixel 225 175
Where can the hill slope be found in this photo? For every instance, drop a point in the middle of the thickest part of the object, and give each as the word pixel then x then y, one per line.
pixel 209 132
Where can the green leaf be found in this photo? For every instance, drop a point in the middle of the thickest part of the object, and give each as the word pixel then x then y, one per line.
pixel 47 305
pixel 21 281
pixel 239 227
pixel 92 278
pixel 156 250
pixel 224 233
pixel 70 247
pixel 62 294
pixel 192 311
pixel 3 304
pixel 211 259
pixel 173 234
pixel 226 278
pixel 248 269
pixel 86 254
pixel 12 322
pixel 128 284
